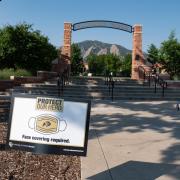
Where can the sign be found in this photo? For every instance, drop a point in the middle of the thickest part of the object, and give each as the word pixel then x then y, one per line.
pixel 49 125
pixel 102 23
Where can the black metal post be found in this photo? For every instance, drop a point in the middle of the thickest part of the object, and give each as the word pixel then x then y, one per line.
pixel 149 79
pixel 177 107
pixel 62 84
pixel 64 80
pixel 58 85
pixel 109 84
pixel 163 90
pixel 155 81
pixel 112 90
pixel 144 78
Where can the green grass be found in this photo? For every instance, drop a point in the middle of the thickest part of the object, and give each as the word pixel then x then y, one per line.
pixel 6 73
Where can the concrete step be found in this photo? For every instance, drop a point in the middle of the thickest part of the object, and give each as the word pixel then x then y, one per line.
pixel 98 90
pixel 105 91
pixel 95 88
pixel 105 95
pixel 90 86
pixel 102 97
pixel 102 94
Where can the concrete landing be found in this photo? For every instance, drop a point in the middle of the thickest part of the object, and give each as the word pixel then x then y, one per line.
pixel 130 140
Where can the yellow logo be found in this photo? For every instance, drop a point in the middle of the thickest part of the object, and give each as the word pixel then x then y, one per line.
pixel 47 124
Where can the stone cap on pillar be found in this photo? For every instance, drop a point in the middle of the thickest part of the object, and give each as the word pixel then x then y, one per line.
pixel 137 28
pixel 67 25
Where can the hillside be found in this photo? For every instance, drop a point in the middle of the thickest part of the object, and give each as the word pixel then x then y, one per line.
pixel 96 47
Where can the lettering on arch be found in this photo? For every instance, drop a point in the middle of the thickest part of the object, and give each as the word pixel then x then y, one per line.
pixel 104 24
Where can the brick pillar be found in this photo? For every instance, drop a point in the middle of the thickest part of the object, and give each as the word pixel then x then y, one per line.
pixel 137 54
pixel 67 40
pixel 66 50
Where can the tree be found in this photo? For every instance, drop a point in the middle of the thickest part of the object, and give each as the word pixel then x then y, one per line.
pixel 101 64
pixel 170 55
pixel 96 64
pixel 126 65
pixel 76 60
pixel 113 63
pixel 23 47
pixel 153 54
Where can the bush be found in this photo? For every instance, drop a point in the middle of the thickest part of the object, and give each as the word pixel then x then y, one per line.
pixel 176 77
pixel 22 72
pixel 6 73
pixel 85 73
pixel 22 47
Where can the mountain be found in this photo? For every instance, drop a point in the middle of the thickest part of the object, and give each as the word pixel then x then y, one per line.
pixel 97 47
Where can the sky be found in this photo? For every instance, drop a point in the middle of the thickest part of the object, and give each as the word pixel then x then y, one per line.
pixel 158 18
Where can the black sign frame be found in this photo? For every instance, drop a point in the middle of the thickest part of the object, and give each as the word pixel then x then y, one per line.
pixel 44 148
pixel 102 24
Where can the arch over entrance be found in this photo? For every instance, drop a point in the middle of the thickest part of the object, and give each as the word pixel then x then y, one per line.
pixel 136 30
pixel 102 24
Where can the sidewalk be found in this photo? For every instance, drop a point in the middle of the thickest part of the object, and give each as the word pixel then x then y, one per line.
pixel 131 140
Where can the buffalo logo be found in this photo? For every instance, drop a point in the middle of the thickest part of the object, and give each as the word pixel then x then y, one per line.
pixel 47 124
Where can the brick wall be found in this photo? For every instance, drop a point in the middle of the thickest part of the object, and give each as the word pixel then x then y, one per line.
pixel 9 84
pixel 23 80
pixel 6 84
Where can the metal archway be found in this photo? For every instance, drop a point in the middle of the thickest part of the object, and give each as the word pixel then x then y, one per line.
pixel 136 30
pixel 102 24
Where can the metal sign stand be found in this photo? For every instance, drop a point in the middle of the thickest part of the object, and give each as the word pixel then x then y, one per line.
pixel 4 118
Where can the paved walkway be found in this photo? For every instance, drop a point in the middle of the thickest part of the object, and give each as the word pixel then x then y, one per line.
pixel 131 140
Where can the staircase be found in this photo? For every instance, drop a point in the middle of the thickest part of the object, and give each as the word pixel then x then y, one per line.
pixel 95 88
pixel 91 88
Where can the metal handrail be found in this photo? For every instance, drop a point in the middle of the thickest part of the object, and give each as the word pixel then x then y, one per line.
pixel 62 81
pixel 161 82
pixel 150 76
pixel 109 81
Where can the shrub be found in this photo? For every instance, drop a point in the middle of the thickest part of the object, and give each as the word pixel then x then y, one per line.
pixel 176 77
pixel 23 47
pixel 6 73
pixel 22 72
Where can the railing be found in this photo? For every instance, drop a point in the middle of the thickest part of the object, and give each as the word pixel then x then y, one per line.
pixel 177 106
pixel 161 82
pixel 62 81
pixel 106 79
pixel 152 77
pixel 109 81
pixel 144 75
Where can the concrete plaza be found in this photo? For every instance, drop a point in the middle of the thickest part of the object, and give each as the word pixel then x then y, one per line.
pixel 133 140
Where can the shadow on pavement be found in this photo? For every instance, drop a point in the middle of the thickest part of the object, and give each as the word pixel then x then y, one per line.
pixel 135 121
pixel 171 154
pixel 161 118
pixel 135 170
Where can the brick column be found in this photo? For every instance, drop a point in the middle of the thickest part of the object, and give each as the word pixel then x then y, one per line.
pixel 137 54
pixel 66 50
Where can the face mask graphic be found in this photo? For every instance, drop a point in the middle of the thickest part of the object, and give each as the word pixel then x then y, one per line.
pixel 47 124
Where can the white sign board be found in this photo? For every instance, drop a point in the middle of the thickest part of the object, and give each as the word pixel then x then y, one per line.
pixel 49 125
